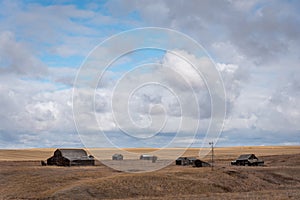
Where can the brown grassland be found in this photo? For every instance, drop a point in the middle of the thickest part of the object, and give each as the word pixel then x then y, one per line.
pixel 22 177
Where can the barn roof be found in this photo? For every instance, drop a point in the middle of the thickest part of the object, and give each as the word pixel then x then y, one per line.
pixel 186 158
pixel 245 156
pixel 74 154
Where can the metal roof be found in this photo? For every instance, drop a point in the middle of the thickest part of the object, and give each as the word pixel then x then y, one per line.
pixel 186 158
pixel 74 154
pixel 147 155
pixel 245 156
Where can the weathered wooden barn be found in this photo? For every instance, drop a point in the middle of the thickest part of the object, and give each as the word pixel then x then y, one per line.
pixel 117 156
pixel 148 157
pixel 71 157
pixel 247 159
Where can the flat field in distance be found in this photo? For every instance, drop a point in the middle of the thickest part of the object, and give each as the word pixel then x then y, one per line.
pixel 23 177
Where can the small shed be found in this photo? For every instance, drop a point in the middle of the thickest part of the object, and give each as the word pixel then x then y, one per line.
pixel 71 157
pixel 117 156
pixel 148 157
pixel 247 159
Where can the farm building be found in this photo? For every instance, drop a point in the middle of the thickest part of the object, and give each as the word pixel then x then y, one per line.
pixel 191 161
pixel 117 156
pixel 247 159
pixel 148 157
pixel 185 160
pixel 70 157
pixel 200 163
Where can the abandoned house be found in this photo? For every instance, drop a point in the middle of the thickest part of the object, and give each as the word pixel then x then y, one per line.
pixel 191 161
pixel 148 157
pixel 71 157
pixel 185 160
pixel 117 156
pixel 247 159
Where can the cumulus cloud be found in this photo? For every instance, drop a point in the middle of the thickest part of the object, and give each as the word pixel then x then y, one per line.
pixel 155 97
pixel 34 113
pixel 255 46
pixel 259 30
pixel 280 112
pixel 63 30
pixel 16 58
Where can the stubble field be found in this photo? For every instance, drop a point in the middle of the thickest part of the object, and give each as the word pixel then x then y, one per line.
pixel 22 177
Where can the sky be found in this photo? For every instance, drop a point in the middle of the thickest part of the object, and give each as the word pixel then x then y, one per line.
pixel 254 45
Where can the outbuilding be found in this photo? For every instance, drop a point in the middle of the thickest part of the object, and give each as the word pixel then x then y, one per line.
pixel 247 159
pixel 117 156
pixel 71 157
pixel 148 157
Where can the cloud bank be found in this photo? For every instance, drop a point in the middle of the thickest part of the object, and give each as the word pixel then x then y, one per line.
pixel 255 46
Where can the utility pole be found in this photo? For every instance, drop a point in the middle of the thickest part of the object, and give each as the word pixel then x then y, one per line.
pixel 212 155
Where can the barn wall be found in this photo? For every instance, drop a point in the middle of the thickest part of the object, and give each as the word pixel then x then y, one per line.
pixel 82 162
pixel 59 161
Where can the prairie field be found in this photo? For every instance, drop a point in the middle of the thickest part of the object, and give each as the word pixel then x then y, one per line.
pixel 23 177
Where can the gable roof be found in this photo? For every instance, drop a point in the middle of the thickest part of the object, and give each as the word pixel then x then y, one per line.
pixel 74 154
pixel 246 156
pixel 186 158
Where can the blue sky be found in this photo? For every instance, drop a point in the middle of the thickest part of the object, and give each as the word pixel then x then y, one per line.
pixel 254 44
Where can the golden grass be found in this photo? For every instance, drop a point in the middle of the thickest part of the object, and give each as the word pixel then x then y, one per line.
pixel 105 153
pixel 279 179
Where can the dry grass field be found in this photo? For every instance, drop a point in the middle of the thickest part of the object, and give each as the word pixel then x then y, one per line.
pixel 22 177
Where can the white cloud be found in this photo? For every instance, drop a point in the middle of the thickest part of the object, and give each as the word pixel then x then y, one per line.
pixel 255 45
pixel 63 30
pixel 16 58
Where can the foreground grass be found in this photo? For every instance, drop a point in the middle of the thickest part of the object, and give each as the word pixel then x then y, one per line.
pixel 279 179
